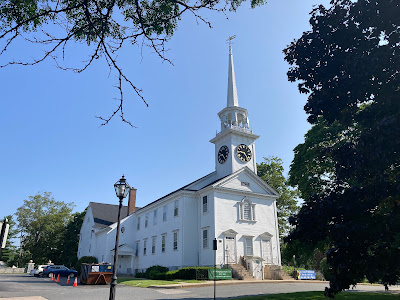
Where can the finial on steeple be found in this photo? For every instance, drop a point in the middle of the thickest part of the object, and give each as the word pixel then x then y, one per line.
pixel 232 98
pixel 230 38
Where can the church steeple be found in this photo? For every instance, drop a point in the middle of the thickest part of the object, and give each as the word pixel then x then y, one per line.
pixel 232 99
pixel 233 116
pixel 234 144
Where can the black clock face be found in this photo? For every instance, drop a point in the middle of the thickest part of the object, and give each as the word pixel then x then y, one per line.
pixel 223 154
pixel 243 152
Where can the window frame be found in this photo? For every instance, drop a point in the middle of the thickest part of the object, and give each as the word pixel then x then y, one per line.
pixel 247 246
pixel 163 242
pixel 165 212
pixel 175 240
pixel 145 247
pixel 153 244
pixel 146 220
pixel 155 217
pixel 138 224
pixel 205 240
pixel 205 205
pixel 176 208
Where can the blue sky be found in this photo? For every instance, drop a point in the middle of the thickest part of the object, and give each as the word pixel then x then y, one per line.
pixel 51 140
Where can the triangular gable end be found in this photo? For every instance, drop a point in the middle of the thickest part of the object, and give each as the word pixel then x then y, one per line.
pixel 124 249
pixel 245 180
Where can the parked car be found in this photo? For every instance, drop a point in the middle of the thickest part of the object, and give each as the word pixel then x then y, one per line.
pixel 59 270
pixel 38 270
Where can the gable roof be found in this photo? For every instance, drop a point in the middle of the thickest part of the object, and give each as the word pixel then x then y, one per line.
pixel 106 214
pixel 262 184
pixel 194 186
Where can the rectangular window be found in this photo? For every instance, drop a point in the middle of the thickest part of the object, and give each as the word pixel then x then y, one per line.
pixel 144 246
pixel 138 223
pixel 163 237
pixel 176 208
pixel 175 240
pixel 164 215
pixel 146 221
pixel 155 217
pixel 249 246
pixel 137 248
pixel 205 204
pixel 153 245
pixel 205 238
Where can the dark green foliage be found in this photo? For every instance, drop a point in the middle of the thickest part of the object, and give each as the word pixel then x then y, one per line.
pixel 70 240
pixel 271 171
pixel 162 273
pixel 154 271
pixel 348 169
pixel 170 275
pixel 42 221
pixel 85 260
pixel 140 275
pixel 193 273
pixel 326 269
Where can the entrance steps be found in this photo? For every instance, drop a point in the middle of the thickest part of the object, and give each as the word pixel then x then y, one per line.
pixel 240 272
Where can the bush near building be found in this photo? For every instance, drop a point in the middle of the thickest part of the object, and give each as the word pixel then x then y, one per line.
pixel 162 273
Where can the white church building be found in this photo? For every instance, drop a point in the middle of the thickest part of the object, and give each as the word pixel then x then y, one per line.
pixel 231 204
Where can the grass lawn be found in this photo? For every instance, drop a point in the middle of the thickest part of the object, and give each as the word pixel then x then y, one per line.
pixel 147 282
pixel 320 296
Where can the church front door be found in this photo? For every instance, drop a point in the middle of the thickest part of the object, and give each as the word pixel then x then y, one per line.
pixel 230 250
pixel 266 251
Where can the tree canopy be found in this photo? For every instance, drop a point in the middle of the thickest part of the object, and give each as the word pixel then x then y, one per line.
pixel 70 240
pixel 348 169
pixel 104 25
pixel 42 221
pixel 271 171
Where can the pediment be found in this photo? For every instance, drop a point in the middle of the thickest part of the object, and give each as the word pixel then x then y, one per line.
pixel 230 232
pixel 245 180
pixel 124 249
pixel 266 235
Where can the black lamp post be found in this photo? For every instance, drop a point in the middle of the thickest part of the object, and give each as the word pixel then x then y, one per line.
pixel 121 189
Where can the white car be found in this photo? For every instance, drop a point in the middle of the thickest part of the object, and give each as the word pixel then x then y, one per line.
pixel 38 270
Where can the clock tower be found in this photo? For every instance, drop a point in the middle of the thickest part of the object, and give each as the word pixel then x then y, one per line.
pixel 234 144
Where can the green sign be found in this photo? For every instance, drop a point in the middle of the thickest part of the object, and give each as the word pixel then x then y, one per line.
pixel 220 274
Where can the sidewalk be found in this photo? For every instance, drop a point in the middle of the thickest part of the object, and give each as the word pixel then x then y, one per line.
pixel 184 285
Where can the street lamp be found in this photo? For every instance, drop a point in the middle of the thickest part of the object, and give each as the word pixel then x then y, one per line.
pixel 121 189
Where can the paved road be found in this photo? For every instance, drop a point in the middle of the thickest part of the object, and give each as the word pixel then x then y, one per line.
pixel 23 285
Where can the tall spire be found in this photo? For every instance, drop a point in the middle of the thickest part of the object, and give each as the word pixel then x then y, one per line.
pixel 232 99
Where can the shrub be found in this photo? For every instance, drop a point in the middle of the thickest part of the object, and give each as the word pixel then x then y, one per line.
pixel 155 275
pixel 83 260
pixel 153 269
pixel 325 269
pixel 170 275
pixel 140 275
pixel 193 273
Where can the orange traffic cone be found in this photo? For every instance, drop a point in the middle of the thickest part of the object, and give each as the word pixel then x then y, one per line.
pixel 58 278
pixel 68 279
pixel 76 282
pixel 52 277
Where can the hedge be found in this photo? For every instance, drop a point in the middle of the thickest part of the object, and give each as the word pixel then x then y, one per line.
pixel 162 273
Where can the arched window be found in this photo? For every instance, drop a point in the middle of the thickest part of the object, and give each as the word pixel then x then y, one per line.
pixel 247 210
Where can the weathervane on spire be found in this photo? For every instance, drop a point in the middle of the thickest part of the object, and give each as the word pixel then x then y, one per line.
pixel 230 38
